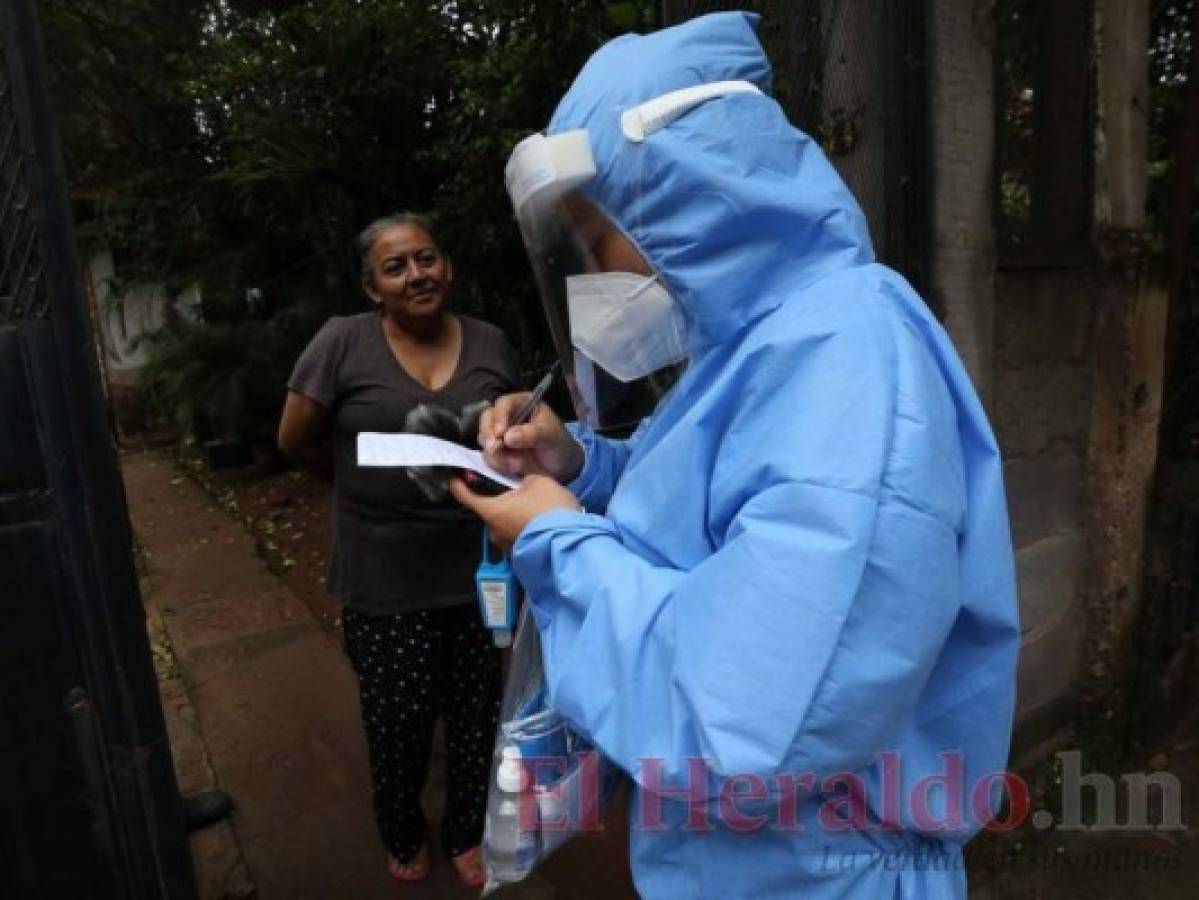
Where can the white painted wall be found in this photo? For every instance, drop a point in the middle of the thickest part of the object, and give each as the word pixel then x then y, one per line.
pixel 126 313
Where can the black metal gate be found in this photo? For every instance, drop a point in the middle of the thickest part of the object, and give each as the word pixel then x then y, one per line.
pixel 88 801
pixel 853 75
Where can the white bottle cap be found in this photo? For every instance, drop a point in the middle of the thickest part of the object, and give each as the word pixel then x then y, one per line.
pixel 549 802
pixel 510 776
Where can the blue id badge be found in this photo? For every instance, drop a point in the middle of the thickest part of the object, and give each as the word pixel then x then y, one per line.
pixel 497 585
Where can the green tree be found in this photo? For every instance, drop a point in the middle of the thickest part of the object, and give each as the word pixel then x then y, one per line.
pixel 241 141
pixel 241 144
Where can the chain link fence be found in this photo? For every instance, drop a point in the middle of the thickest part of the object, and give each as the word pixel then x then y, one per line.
pixel 851 73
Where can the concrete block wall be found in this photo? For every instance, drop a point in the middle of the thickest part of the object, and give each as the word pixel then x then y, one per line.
pixel 1041 401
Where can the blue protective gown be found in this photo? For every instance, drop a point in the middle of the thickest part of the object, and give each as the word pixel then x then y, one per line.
pixel 800 565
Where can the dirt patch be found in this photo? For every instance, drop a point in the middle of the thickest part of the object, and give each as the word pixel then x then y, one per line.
pixel 290 514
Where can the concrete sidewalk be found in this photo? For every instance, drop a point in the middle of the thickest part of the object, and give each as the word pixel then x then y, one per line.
pixel 261 702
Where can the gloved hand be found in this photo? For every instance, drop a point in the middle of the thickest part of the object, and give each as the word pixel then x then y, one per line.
pixel 437 422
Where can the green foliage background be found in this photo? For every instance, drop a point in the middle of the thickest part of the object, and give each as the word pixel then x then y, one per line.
pixel 242 144
pixel 1169 56
pixel 1170 49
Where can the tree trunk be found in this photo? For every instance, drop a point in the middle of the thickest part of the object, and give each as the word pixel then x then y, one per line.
pixel 1128 348
pixel 963 146
pixel 852 109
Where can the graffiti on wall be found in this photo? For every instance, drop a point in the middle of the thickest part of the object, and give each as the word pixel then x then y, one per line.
pixel 127 314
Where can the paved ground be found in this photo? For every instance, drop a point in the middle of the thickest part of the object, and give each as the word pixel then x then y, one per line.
pixel 261 701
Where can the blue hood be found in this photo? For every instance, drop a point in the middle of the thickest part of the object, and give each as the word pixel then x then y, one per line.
pixel 733 206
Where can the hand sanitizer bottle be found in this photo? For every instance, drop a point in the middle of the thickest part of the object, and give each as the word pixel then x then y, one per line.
pixel 510 843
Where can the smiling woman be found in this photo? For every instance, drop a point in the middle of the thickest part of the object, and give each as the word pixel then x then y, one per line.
pixel 404 554
pixel 405 272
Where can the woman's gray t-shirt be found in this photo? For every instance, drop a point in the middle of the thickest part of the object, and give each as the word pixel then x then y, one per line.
pixel 393 549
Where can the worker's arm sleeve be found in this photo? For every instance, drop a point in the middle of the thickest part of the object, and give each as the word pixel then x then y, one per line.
pixel 605 460
pixel 771 655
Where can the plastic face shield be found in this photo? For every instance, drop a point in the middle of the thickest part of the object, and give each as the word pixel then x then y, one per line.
pixel 565 234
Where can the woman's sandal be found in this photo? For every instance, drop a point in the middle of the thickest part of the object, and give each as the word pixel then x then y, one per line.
pixel 470 869
pixel 416 869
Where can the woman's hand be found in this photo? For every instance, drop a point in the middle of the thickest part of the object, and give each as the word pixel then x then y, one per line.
pixel 542 446
pixel 508 514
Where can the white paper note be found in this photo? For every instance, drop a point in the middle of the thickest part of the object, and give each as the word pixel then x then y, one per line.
pixel 388 450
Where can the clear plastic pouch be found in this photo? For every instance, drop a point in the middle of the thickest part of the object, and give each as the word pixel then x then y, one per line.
pixel 548 783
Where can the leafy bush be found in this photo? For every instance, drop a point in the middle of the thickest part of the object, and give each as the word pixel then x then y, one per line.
pixel 225 380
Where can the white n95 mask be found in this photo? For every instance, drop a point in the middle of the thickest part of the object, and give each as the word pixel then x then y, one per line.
pixel 626 324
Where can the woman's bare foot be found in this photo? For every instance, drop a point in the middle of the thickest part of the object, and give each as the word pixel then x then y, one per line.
pixel 416 869
pixel 469 866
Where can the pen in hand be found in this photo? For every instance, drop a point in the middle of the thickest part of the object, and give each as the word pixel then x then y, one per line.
pixel 525 413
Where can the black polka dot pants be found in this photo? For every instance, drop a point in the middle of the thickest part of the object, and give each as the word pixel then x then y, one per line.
pixel 413 668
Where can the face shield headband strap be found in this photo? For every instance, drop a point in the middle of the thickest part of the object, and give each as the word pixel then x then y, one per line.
pixel 544 168
pixel 652 116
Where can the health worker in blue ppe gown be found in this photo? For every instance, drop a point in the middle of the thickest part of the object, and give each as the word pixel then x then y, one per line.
pixel 785 604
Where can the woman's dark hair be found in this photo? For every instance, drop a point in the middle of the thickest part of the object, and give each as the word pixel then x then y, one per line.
pixel 370 234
